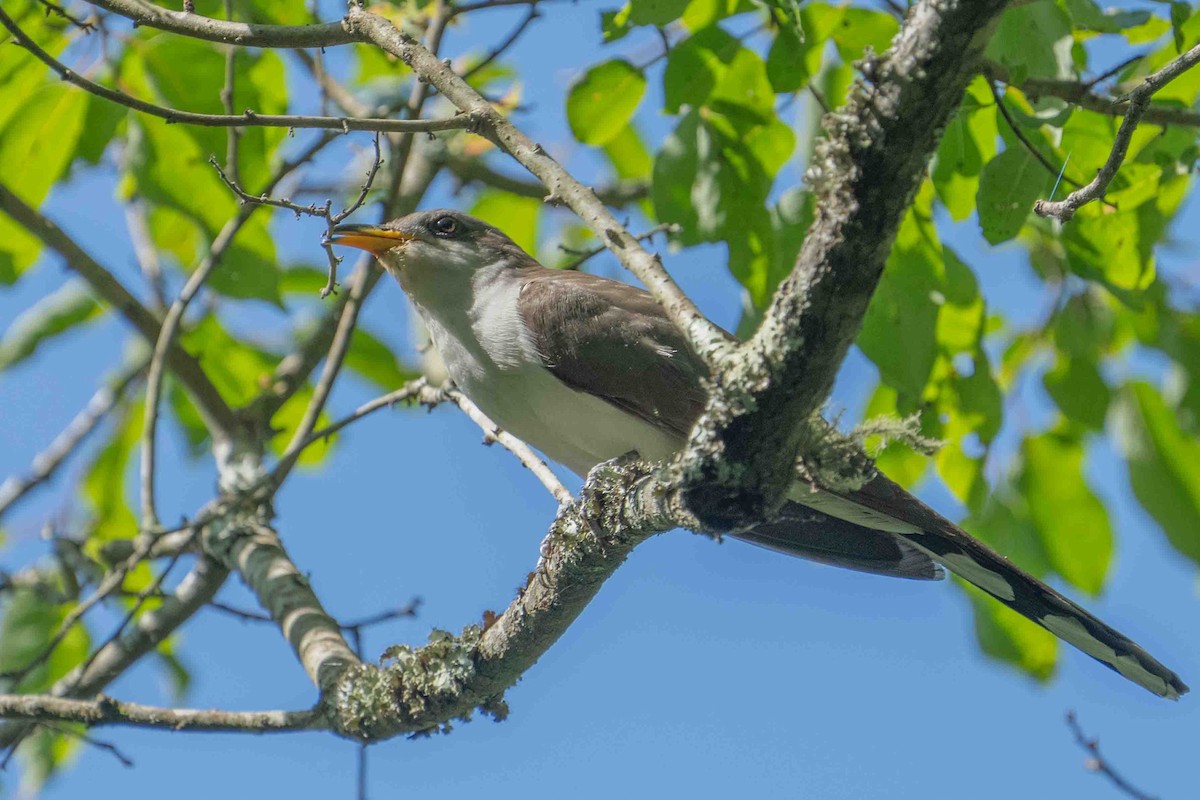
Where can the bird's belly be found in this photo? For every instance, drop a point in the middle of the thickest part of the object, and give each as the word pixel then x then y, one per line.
pixel 573 428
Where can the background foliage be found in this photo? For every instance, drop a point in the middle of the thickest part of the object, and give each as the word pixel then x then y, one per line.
pixel 706 111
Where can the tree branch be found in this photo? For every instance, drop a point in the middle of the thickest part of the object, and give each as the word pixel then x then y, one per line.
pixel 621 505
pixel 741 457
pixel 254 550
pixel 239 33
pixel 1138 100
pixel 1098 763
pixel 195 590
pixel 246 119
pixel 46 463
pixel 107 711
pixel 212 407
pixel 1081 95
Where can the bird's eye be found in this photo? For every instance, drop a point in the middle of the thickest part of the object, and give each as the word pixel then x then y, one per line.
pixel 445 226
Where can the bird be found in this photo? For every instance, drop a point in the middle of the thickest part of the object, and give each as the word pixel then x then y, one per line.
pixel 587 369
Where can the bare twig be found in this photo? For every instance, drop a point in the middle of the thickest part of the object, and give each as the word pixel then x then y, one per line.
pixel 107 711
pixel 584 256
pixel 1013 126
pixel 508 42
pixel 1098 763
pixel 100 744
pixel 1138 100
pixel 145 252
pixel 46 463
pixel 492 432
pixel 408 391
pixel 324 212
pixel 85 24
pixel 247 118
pixel 1080 93
pixel 227 98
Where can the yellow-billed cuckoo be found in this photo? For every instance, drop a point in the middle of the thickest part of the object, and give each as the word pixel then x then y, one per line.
pixel 588 369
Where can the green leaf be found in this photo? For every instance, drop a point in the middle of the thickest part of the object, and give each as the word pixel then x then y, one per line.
pixel 1164 465
pixel 29 623
pixel 899 330
pixel 238 369
pixel 516 216
pixel 655 12
pixel 860 28
pixel 39 144
pixel 1080 392
pixel 1106 247
pixel 700 14
pixel 628 155
pixel 695 67
pixel 57 313
pixel 103 485
pixel 968 143
pixel 375 361
pixel 1008 187
pixel 615 25
pixel 1078 544
pixel 601 103
pixel 1033 40
pixel 1088 15
pixel 791 62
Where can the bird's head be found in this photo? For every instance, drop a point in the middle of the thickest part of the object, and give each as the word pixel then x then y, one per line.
pixel 434 245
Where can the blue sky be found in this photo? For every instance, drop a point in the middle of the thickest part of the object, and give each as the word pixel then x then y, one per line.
pixel 701 669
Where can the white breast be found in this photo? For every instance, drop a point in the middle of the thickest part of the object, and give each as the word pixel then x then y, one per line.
pixel 491 358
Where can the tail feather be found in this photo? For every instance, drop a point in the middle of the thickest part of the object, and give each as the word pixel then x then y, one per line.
pixel 817 536
pixel 974 562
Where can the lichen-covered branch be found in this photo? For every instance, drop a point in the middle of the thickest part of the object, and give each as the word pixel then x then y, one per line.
pixel 253 549
pixel 424 689
pixel 741 455
pixel 217 30
pixel 1138 102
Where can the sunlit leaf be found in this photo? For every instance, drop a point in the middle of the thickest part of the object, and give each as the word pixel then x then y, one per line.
pixel 1008 187
pixel 1164 465
pixel 1071 520
pixel 601 103
pixel 57 313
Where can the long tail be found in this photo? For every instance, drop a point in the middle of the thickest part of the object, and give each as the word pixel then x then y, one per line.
pixel 971 560
pixel 886 506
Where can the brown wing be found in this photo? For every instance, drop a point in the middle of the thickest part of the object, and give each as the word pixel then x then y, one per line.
pixel 580 320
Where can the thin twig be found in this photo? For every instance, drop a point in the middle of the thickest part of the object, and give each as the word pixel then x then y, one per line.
pixel 324 212
pixel 493 433
pixel 408 391
pixel 99 744
pixel 87 25
pixel 145 251
pixel 1138 100
pixel 227 98
pixel 508 42
pixel 1002 107
pixel 247 118
pixel 1098 763
pixel 107 711
pixel 46 463
pixel 668 228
